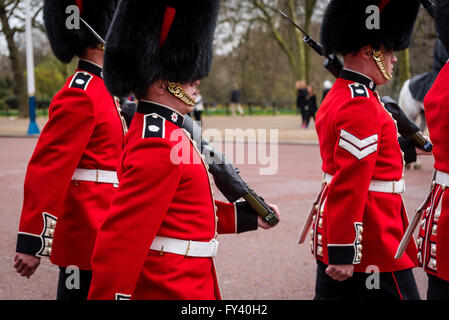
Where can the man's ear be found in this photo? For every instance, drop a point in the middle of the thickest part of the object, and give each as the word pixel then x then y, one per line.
pixel 160 87
pixel 366 53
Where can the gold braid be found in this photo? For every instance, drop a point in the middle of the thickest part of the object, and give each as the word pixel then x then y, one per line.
pixel 175 89
pixel 379 58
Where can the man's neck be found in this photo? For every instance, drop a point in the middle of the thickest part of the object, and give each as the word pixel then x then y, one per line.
pixel 359 72
pixel 94 55
pixel 166 101
pixel 356 68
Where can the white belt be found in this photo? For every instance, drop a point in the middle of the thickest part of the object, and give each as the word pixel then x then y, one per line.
pixel 442 178
pixel 95 175
pixel 378 185
pixel 187 248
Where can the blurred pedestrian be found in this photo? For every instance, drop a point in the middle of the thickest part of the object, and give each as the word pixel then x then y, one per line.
pixel 236 101
pixel 199 106
pixel 302 93
pixel 327 85
pixel 311 107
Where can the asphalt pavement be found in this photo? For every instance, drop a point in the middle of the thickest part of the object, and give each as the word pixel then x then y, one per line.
pixel 264 264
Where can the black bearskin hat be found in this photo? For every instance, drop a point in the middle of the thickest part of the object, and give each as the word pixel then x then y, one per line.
pixel 67 43
pixel 151 40
pixel 344 29
pixel 442 21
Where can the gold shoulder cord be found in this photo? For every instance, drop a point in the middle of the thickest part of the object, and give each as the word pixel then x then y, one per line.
pixel 379 58
pixel 175 89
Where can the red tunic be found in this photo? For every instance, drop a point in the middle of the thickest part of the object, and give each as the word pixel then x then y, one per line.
pixel 164 190
pixel 433 238
pixel 358 144
pixel 84 130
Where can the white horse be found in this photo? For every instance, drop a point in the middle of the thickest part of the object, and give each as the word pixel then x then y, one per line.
pixel 413 108
pixel 413 90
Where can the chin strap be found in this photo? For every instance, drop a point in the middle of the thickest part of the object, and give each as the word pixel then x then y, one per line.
pixel 175 89
pixel 379 58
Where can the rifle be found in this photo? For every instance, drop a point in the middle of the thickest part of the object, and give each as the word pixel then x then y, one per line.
pixel 406 127
pixel 226 176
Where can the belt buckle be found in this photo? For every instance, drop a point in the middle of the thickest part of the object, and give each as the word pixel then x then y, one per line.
pixel 402 182
pixel 215 244
pixel 188 248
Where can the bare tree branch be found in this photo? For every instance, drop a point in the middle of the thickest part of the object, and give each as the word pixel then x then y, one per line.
pixel 13 9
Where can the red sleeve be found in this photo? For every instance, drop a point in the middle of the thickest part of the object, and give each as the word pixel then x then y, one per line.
pixel 235 217
pixel 55 158
pixel 227 217
pixel 355 153
pixel 147 187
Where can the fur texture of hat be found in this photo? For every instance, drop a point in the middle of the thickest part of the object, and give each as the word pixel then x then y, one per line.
pixel 344 28
pixel 134 58
pixel 67 43
pixel 442 21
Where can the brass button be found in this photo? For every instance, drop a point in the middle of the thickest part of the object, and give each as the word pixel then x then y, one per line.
pixel 433 249
pixel 434 229
pixel 48 242
pixel 423 223
pixel 432 264
pixel 437 215
pixel 419 242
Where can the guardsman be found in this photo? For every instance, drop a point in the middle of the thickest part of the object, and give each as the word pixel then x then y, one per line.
pixel 433 240
pixel 71 178
pixel 160 236
pixel 359 217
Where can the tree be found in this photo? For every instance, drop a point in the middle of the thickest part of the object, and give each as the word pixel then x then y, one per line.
pixel 251 13
pixel 49 78
pixel 12 19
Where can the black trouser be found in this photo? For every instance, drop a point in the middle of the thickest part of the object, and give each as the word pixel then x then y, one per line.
pixel 398 285
pixel 438 288
pixel 308 115
pixel 197 115
pixel 68 286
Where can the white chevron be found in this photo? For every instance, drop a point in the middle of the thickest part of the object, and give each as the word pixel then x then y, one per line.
pixel 359 154
pixel 359 143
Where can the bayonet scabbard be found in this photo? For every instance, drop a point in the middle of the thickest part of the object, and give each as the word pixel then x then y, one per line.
pixel 408 235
